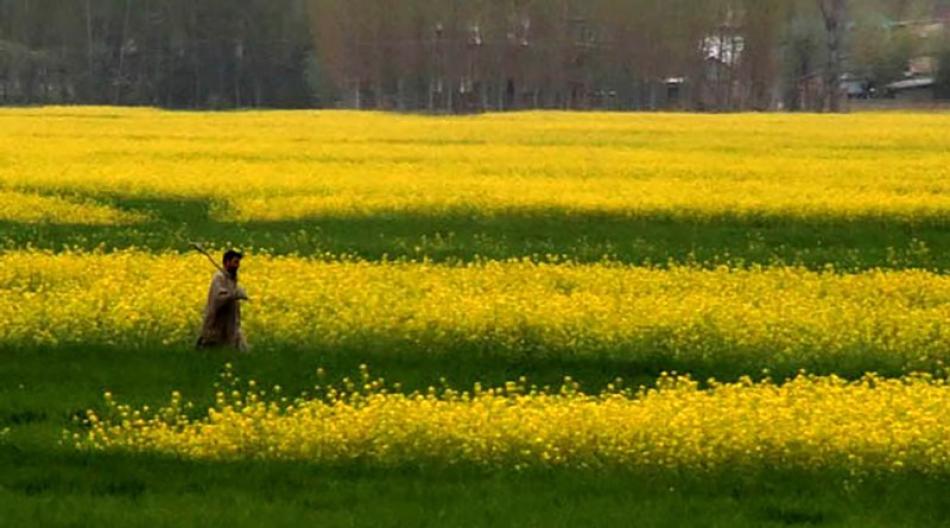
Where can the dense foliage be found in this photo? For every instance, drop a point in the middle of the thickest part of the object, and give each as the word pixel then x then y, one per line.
pixel 447 55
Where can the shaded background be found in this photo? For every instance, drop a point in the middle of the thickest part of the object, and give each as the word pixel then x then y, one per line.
pixel 473 55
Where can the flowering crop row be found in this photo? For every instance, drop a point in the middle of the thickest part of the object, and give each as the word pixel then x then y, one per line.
pixel 870 426
pixel 759 316
pixel 33 208
pixel 285 166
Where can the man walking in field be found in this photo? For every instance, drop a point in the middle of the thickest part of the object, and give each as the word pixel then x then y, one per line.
pixel 222 316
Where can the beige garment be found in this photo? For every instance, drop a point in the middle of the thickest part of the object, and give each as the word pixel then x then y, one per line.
pixel 222 317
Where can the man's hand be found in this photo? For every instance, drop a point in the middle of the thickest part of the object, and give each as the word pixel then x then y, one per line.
pixel 240 294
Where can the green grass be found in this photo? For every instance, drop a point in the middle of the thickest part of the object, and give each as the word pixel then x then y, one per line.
pixel 847 244
pixel 96 490
pixel 41 390
pixel 44 483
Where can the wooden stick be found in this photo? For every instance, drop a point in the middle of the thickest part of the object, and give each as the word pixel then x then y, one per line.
pixel 214 263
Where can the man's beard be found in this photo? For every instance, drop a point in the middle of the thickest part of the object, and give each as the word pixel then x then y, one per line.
pixel 233 274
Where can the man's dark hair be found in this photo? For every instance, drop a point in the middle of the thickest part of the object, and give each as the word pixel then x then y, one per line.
pixel 232 253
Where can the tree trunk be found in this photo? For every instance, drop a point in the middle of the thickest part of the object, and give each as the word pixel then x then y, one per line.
pixel 401 94
pixel 125 30
pixel 89 52
pixel 450 104
pixel 834 13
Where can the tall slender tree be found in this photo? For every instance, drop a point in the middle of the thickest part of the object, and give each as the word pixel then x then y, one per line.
pixel 834 14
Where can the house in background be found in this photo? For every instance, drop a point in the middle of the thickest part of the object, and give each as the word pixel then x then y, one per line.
pixel 919 84
pixel 917 90
pixel 856 87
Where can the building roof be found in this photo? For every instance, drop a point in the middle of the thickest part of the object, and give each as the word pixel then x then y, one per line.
pixel 911 84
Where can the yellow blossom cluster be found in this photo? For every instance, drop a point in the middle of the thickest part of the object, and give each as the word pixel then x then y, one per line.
pixel 267 166
pixel 33 208
pixel 789 315
pixel 870 426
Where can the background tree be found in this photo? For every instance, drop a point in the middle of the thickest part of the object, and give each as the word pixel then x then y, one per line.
pixel 454 55
pixel 942 80
pixel 834 13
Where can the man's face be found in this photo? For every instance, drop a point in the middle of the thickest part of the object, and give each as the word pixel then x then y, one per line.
pixel 232 265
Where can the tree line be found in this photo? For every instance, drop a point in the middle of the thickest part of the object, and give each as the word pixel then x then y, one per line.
pixel 460 55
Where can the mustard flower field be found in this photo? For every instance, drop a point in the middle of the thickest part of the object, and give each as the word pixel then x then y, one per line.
pixel 608 318
pixel 869 426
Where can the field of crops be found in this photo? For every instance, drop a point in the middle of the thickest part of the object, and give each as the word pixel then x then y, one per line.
pixel 870 426
pixel 549 300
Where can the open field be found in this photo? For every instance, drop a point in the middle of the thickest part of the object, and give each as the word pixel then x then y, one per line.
pixel 496 255
pixel 720 321
pixel 862 191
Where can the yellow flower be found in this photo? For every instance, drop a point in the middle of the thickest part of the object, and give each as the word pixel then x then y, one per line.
pixel 872 425
pixel 347 164
pixel 766 316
